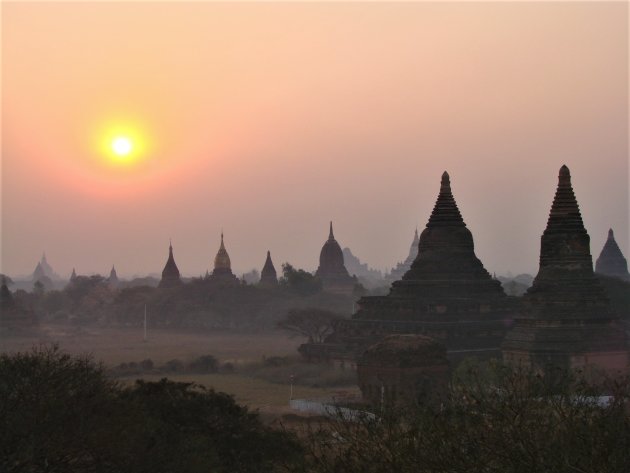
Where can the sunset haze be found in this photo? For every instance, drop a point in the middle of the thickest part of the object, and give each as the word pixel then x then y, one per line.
pixel 268 120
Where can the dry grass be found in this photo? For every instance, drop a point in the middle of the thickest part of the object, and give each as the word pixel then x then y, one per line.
pixel 255 393
pixel 122 345
pixel 114 346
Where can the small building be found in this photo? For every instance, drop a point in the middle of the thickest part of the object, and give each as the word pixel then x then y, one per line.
pixel 403 369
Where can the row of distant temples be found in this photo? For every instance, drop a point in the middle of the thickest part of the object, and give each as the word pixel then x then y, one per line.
pixel 448 305
pixel 331 271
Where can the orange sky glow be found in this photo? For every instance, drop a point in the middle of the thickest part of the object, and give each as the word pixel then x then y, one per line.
pixel 268 120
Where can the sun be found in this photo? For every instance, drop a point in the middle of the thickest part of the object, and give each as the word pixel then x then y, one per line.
pixel 122 146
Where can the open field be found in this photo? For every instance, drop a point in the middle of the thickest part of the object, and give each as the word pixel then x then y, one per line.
pixel 253 392
pixel 113 346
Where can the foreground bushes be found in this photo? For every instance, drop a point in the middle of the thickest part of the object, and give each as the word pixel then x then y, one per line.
pixel 62 413
pixel 498 420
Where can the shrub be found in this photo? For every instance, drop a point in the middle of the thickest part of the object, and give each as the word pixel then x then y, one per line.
pixel 228 367
pixel 173 365
pixel 205 364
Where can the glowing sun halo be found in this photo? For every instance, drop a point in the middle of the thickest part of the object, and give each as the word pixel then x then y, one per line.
pixel 121 146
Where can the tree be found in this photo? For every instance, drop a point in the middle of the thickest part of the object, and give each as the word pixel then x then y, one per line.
pixel 190 428
pixel 205 364
pixel 55 410
pixel 315 324
pixel 6 298
pixel 300 281
pixel 62 413
pixel 6 279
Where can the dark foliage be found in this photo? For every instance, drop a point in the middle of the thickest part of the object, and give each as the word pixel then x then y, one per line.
pixel 501 420
pixel 314 324
pixel 299 281
pixel 204 364
pixel 60 413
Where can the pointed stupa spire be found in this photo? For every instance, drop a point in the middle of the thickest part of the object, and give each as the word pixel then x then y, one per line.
pixel 268 275
pixel 413 251
pixel 332 270
pixel 170 273
pixel 445 184
pixel 611 261
pixel 445 211
pixel 565 212
pixel 222 262
pixel 113 277
pixel 39 272
pixel 566 318
pixel 564 243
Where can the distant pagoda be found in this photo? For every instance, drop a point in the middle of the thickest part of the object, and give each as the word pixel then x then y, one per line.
pixel 112 280
pixel 222 272
pixel 39 273
pixel 611 261
pixel 401 268
pixel 170 273
pixel 566 319
pixel 44 270
pixel 332 271
pixel 268 275
pixel 447 294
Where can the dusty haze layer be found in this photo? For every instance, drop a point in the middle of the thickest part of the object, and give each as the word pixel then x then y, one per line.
pixel 267 120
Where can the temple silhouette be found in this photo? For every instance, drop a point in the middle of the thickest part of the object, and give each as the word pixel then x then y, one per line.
pixel 447 294
pixel 170 273
pixel 445 302
pixel 268 276
pixel 402 267
pixel 332 271
pixel 566 319
pixel 611 261
pixel 222 272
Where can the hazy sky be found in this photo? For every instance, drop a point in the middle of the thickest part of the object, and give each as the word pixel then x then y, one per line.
pixel 268 120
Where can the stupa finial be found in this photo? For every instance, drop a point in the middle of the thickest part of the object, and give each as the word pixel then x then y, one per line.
pixel 446 182
pixel 564 178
